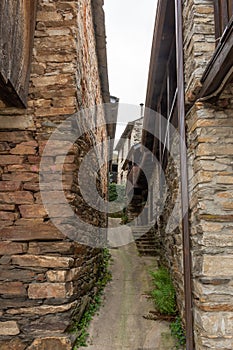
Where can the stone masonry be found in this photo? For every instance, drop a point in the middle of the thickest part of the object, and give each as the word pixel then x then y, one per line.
pixel 210 159
pixel 46 279
pixel 211 193
pixel 210 150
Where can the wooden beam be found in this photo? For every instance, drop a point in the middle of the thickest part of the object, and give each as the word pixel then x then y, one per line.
pixel 217 20
pixel 17 26
pixel 216 74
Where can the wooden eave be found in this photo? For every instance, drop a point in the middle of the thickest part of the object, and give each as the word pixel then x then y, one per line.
pixel 162 41
pixel 220 68
pixel 17 27
pixel 101 50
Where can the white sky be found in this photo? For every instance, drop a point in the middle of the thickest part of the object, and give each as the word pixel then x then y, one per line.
pixel 129 26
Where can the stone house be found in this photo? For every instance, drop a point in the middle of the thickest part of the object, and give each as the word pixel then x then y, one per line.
pixel 190 136
pixel 129 138
pixel 52 65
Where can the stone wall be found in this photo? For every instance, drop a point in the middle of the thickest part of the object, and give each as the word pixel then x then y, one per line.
pixel 210 149
pixel 46 279
pixel 210 157
pixel 210 143
pixel 122 155
pixel 199 43
pixel 136 134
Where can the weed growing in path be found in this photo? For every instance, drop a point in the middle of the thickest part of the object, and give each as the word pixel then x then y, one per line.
pixel 178 332
pixel 163 294
pixel 164 297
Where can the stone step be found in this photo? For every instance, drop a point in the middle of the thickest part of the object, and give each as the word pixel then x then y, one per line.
pixel 145 240
pixel 146 243
pixel 144 237
pixel 150 252
pixel 141 228
pixel 146 249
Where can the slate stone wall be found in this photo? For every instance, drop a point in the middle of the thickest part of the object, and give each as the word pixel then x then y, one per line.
pixel 199 43
pixel 46 279
pixel 210 143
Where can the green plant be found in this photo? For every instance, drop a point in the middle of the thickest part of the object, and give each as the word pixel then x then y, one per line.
pixel 80 328
pixel 112 193
pixel 116 193
pixel 164 292
pixel 124 219
pixel 177 330
pixel 116 215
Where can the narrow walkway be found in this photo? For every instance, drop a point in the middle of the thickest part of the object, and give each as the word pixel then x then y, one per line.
pixel 120 324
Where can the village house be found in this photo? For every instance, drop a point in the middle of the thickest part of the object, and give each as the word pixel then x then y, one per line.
pixel 129 138
pixel 190 135
pixel 52 65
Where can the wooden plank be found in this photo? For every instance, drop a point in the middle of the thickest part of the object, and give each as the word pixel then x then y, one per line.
pixel 17 25
pixel 219 66
pixel 224 14
pixel 157 40
pixel 217 20
pixel 230 8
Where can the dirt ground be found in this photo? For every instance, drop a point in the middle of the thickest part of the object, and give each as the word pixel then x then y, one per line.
pixel 120 324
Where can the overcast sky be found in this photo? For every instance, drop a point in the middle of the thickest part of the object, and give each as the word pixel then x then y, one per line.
pixel 129 26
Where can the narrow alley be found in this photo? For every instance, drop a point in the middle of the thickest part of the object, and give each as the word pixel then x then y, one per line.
pixel 116 113
pixel 120 323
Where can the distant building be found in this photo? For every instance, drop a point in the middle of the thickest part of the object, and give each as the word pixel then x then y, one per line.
pixel 113 166
pixel 130 136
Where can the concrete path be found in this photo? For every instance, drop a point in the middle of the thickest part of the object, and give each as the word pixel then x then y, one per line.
pixel 120 324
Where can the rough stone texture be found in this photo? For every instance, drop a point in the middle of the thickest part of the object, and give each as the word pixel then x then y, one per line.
pixel 51 343
pixel 210 158
pixel 210 150
pixel 42 270
pixel 13 344
pixel 49 290
pixel 199 43
pixel 211 191
pixel 9 328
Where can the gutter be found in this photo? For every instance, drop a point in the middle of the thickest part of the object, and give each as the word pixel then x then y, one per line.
pixel 187 260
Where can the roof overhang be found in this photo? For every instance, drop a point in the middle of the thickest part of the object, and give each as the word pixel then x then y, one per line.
pixel 162 41
pixel 101 50
pixel 164 36
pixel 219 71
